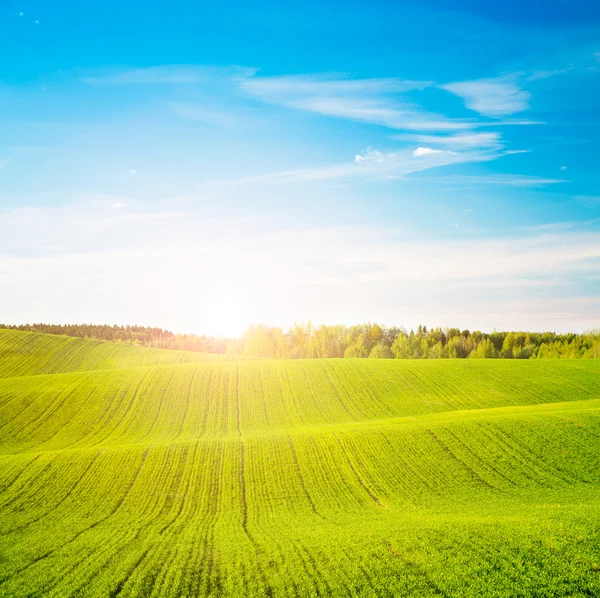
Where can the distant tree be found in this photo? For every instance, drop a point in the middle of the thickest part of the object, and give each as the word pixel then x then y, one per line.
pixel 436 352
pixel 352 352
pixel 401 347
pixel 484 350
pixel 380 352
pixel 375 333
pixel 307 341
pixel 357 349
pixel 458 347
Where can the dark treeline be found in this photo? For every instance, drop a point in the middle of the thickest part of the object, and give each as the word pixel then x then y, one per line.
pixel 361 341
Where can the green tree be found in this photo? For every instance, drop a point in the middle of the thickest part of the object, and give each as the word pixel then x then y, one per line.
pixel 401 347
pixel 436 352
pixel 358 348
pixel 484 350
pixel 380 352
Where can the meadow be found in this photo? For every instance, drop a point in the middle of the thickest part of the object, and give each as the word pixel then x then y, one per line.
pixel 132 471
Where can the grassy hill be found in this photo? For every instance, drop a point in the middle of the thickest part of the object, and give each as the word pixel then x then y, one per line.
pixel 25 354
pixel 139 472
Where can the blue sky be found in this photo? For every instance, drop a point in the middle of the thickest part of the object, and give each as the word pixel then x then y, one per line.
pixel 204 167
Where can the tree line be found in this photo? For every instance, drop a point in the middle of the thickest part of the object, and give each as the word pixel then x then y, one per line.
pixel 131 335
pixel 305 341
pixel 375 341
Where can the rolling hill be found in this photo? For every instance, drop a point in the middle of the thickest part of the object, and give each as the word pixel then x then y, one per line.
pixel 127 471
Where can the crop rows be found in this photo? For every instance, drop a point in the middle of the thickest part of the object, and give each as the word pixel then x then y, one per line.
pixel 301 478
pixel 31 353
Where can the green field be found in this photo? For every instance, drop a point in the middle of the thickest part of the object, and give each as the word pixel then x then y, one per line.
pixel 127 471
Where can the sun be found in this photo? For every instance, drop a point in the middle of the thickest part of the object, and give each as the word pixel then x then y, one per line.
pixel 227 313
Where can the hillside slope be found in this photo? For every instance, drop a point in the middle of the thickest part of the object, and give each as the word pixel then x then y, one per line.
pixel 294 478
pixel 30 353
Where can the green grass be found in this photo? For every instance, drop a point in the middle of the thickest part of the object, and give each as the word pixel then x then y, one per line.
pixel 32 353
pixel 138 472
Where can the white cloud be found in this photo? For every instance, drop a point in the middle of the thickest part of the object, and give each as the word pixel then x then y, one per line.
pixel 371 164
pixel 491 97
pixel 470 140
pixel 377 101
pixel 380 101
pixel 133 171
pixel 169 74
pixel 83 268
pixel 373 101
pixel 514 180
pixel 369 155
pixel 94 223
pixel 202 113
pixel 427 151
pixel 283 88
pixel 507 123
pixel 538 75
pixel 515 152
pixel 378 111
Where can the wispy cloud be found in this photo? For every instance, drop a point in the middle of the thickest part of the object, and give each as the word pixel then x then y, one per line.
pixel 513 180
pixel 282 88
pixel 507 123
pixel 386 101
pixel 515 152
pixel 491 97
pixel 202 113
pixel 470 140
pixel 547 74
pixel 394 115
pixel 375 165
pixel 379 101
pixel 369 155
pixel 428 151
pixel 529 278
pixel 168 74
pixel 373 101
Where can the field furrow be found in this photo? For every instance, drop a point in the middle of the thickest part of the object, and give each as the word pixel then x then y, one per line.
pixel 132 472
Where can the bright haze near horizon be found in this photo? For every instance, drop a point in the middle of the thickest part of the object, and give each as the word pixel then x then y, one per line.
pixel 202 167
